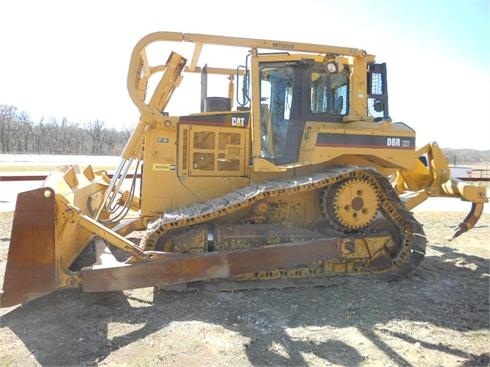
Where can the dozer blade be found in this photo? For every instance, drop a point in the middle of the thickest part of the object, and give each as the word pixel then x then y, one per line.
pixel 31 263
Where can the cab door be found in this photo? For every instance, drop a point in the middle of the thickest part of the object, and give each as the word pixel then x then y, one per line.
pixel 281 125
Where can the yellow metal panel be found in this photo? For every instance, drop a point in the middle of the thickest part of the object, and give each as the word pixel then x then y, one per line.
pixel 160 184
pixel 210 154
pixel 366 143
pixel 166 183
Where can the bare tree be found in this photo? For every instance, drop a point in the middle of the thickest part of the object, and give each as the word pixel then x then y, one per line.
pixel 25 133
pixel 7 126
pixel 39 132
pixel 53 130
pixel 96 131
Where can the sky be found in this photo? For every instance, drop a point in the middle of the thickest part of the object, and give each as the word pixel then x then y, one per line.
pixel 70 58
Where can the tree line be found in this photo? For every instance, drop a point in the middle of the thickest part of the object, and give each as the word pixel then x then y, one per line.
pixel 462 156
pixel 20 134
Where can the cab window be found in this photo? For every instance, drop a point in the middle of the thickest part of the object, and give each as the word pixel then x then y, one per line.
pixel 328 92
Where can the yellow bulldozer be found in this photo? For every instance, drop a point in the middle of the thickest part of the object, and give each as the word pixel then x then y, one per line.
pixel 295 173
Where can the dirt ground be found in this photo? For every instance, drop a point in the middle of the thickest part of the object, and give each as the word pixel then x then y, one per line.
pixel 439 316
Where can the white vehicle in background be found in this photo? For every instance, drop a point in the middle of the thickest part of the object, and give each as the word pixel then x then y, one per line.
pixel 461 172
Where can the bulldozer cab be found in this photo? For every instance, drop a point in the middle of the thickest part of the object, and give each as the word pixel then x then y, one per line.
pixel 291 93
pixel 292 90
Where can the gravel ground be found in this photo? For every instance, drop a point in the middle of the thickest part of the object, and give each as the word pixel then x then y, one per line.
pixel 439 316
